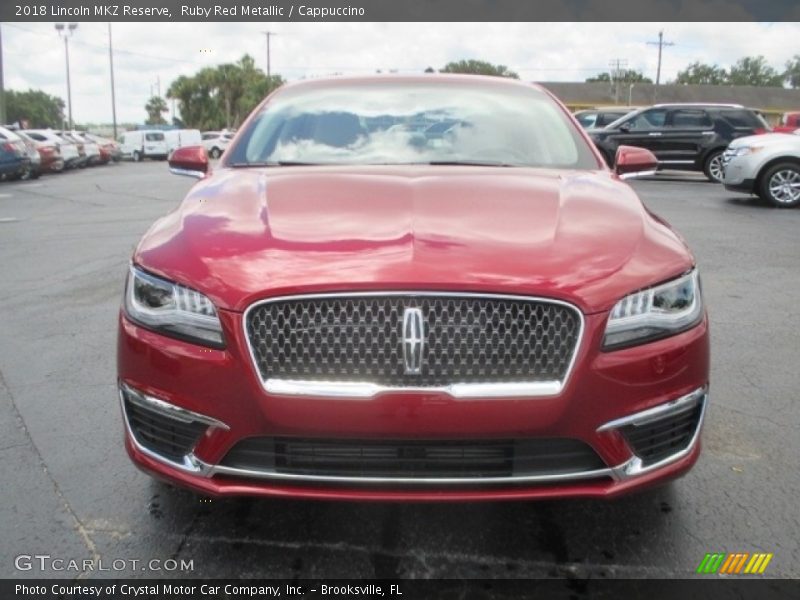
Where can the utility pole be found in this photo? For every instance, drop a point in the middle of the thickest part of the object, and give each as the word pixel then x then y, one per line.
pixel 660 43
pixel 2 86
pixel 616 74
pixel 113 96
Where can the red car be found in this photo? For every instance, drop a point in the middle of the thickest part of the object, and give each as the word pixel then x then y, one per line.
pixel 413 288
pixel 790 122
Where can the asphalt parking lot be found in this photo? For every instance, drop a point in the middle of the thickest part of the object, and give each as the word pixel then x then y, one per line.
pixel 70 491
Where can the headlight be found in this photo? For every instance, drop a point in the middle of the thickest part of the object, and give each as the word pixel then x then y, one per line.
pixel 655 313
pixel 172 309
pixel 744 150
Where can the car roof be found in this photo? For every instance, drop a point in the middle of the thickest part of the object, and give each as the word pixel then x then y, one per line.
pixel 696 105
pixel 443 78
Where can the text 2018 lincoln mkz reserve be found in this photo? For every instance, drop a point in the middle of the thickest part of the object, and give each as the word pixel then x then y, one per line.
pixel 413 288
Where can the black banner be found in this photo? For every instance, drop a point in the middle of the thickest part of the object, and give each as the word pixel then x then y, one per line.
pixel 474 589
pixel 400 10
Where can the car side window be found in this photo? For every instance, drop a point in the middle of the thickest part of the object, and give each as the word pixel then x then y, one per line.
pixel 685 118
pixel 649 119
pixel 588 119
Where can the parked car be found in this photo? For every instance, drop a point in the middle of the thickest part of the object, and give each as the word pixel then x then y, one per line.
pixel 684 137
pixel 15 161
pixel 94 156
pixel 765 165
pixel 178 138
pixel 98 153
pixel 361 313
pixel 35 169
pixel 83 156
pixel 144 143
pixel 68 149
pixel 215 142
pixel 600 117
pixel 790 121
pixel 49 153
pixel 108 146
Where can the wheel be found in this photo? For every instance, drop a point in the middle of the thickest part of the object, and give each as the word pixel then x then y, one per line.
pixel 780 185
pixel 215 152
pixel 713 167
pixel 136 156
pixel 26 174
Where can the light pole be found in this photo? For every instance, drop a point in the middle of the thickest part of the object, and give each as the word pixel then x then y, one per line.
pixel 66 33
pixel 2 86
pixel 113 96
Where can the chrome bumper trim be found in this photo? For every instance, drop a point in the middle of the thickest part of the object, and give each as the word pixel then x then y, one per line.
pixel 545 478
pixel 673 407
pixel 635 466
pixel 190 463
pixel 170 411
pixel 358 390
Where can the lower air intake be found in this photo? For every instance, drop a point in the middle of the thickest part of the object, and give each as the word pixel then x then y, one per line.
pixel 413 458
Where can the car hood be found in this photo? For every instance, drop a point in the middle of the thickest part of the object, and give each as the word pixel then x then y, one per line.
pixel 767 139
pixel 245 234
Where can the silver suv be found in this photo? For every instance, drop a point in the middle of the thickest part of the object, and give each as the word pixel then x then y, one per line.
pixel 766 165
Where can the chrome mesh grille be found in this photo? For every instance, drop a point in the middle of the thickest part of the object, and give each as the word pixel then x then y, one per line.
pixel 467 339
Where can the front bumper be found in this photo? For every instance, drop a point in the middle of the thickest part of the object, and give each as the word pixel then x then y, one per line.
pixel 219 391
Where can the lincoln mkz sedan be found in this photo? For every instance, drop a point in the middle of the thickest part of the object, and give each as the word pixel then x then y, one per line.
pixel 413 288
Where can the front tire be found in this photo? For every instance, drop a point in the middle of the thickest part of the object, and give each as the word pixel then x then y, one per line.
pixel 215 152
pixel 780 185
pixel 713 167
pixel 137 157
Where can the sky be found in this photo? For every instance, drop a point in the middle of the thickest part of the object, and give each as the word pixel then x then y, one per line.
pixel 149 55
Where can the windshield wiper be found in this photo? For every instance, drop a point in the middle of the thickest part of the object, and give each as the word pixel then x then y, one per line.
pixel 273 163
pixel 469 163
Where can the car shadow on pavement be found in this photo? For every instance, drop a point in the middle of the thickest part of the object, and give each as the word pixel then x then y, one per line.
pixel 748 201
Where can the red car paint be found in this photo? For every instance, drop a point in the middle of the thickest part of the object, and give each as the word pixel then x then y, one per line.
pixel 578 236
pixel 790 122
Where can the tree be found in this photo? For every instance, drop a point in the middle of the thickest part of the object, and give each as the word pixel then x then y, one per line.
pixel 155 108
pixel 754 70
pixel 40 110
pixel 222 96
pixel 479 67
pixel 626 76
pixel 792 73
pixel 699 73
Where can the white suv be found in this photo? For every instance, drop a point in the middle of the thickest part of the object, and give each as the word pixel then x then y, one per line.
pixel 767 165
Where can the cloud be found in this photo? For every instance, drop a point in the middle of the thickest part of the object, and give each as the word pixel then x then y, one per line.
pixel 149 54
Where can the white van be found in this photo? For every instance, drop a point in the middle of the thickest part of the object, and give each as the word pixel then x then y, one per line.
pixel 144 143
pixel 178 138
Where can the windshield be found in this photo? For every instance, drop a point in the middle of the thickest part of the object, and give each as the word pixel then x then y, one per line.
pixel 424 123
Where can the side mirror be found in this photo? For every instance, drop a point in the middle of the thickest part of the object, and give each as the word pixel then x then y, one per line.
pixel 625 128
pixel 634 162
pixel 191 161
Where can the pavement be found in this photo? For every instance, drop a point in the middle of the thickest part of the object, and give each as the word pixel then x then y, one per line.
pixel 70 492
